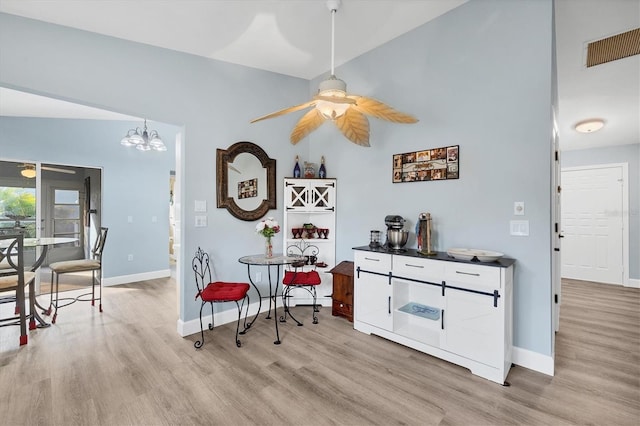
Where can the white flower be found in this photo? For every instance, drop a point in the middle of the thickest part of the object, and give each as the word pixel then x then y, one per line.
pixel 260 226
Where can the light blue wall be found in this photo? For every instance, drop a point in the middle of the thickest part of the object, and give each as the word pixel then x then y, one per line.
pixel 629 154
pixel 134 183
pixel 213 101
pixel 479 77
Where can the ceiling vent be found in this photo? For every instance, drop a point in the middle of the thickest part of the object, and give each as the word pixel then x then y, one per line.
pixel 613 48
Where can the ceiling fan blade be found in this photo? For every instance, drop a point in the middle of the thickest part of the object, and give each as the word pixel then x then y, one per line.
pixel 335 99
pixel 55 169
pixel 354 126
pixel 307 124
pixel 380 110
pixel 285 111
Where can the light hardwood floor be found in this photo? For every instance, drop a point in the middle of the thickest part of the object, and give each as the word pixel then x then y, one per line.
pixel 128 366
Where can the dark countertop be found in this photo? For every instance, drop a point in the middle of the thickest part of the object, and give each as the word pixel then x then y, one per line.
pixel 503 262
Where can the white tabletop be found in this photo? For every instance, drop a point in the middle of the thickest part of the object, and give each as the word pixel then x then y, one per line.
pixel 33 242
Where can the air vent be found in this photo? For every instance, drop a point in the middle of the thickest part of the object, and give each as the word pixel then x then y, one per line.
pixel 613 48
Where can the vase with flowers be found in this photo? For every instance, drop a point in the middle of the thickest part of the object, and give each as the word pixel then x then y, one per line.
pixel 268 228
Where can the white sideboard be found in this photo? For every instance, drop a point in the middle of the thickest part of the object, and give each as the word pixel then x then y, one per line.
pixel 460 311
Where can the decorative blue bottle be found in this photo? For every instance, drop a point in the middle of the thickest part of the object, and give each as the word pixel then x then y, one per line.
pixel 296 169
pixel 322 173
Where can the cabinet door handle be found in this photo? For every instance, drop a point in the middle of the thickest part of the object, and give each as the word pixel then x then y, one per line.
pixel 389 305
pixel 375 260
pixel 414 266
pixel 442 319
pixel 468 273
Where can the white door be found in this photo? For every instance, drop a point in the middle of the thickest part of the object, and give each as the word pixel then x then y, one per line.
pixel 592 222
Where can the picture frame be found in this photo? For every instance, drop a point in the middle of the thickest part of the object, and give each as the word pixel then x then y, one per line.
pixel 427 165
pixel 248 188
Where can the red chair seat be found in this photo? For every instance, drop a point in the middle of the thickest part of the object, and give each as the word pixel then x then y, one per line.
pixel 224 292
pixel 301 278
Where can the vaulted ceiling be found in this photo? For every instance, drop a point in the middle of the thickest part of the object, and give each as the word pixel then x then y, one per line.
pixel 293 37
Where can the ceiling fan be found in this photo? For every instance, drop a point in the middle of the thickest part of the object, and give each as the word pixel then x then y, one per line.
pixel 29 170
pixel 333 103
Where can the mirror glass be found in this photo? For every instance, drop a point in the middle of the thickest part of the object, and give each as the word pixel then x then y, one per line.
pixel 245 181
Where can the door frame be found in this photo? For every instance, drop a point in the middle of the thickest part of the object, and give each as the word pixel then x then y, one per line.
pixel 625 209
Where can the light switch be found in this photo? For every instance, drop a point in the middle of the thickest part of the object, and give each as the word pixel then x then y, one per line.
pixel 201 221
pixel 129 219
pixel 518 208
pixel 519 228
pixel 200 206
pixel 154 219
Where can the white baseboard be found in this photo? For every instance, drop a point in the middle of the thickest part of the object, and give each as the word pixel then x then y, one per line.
pixel 635 283
pixel 126 279
pixel 533 361
pixel 186 328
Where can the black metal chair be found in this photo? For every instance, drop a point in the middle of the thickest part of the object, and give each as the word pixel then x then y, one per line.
pixel 217 292
pixel 301 275
pixel 14 278
pixel 93 264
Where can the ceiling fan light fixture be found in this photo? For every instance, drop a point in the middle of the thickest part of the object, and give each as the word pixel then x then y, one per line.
pixel 590 126
pixel 332 103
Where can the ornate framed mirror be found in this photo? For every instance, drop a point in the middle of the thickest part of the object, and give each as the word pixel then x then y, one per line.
pixel 245 181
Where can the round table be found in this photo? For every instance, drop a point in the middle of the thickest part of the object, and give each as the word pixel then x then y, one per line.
pixel 276 260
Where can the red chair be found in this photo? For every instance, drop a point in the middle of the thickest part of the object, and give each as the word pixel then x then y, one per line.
pixel 302 275
pixel 217 292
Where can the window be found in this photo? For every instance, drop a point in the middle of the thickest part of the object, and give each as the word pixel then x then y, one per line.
pixel 18 209
pixel 67 214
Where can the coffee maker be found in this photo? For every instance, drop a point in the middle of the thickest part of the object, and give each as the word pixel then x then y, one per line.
pixel 396 235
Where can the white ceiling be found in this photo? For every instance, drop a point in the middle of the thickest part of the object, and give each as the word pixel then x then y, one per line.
pixel 293 37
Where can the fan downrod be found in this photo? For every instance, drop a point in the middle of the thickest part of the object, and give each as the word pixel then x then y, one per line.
pixel 334 4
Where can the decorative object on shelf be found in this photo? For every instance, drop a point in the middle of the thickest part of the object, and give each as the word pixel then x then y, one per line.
pixel 374 240
pixel 425 165
pixel 268 228
pixel 143 139
pixel 333 103
pixel 322 173
pixel 477 254
pixel 310 230
pixel 309 170
pixel 296 168
pixel 424 234
pixel 323 233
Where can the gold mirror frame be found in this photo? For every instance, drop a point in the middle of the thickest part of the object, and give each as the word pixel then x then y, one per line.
pixel 223 158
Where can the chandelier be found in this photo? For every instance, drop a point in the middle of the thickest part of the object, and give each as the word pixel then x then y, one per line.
pixel 143 139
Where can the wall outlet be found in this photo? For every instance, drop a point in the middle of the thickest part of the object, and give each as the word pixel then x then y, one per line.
pixel 130 257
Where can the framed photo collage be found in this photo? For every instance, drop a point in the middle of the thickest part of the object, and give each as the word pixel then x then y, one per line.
pixel 427 165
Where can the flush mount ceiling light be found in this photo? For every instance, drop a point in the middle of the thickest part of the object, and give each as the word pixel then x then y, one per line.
pixel 143 139
pixel 29 170
pixel 590 126
pixel 333 103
